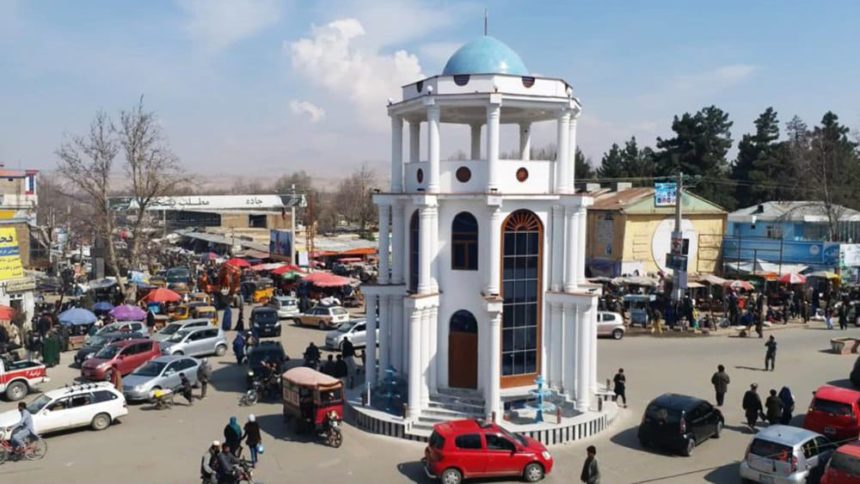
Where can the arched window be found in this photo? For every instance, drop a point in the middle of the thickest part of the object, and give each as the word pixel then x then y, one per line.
pixel 521 291
pixel 413 252
pixel 464 242
pixel 463 322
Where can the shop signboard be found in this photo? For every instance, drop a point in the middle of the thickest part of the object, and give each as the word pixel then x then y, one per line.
pixel 281 245
pixel 665 194
pixel 10 255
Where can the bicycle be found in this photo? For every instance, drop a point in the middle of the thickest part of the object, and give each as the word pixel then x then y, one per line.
pixel 35 449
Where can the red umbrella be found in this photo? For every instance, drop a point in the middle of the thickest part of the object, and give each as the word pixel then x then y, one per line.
pixel 162 295
pixel 325 279
pixel 285 269
pixel 6 313
pixel 238 262
pixel 738 284
pixel 793 278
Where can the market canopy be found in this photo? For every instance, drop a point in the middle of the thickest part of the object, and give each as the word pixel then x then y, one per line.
pixel 77 316
pixel 713 280
pixel 127 312
pixel 284 269
pixel 236 262
pixel 102 307
pixel 635 281
pixel 824 275
pixel 326 279
pixel 738 284
pixel 793 279
pixel 161 295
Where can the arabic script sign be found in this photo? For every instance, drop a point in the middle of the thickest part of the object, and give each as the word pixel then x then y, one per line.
pixel 10 255
pixel 212 202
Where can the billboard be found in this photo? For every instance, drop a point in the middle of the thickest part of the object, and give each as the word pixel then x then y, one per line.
pixel 814 253
pixel 10 255
pixel 664 194
pixel 281 245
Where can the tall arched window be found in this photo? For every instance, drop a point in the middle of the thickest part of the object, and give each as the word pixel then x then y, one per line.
pixel 521 290
pixel 413 252
pixel 464 242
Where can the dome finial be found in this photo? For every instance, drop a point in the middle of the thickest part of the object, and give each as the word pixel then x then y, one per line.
pixel 486 21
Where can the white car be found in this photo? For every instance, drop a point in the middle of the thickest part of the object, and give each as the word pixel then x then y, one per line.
pixel 287 306
pixel 354 331
pixel 610 324
pixel 95 405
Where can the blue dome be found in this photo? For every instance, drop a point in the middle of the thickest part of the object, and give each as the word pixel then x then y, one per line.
pixel 486 55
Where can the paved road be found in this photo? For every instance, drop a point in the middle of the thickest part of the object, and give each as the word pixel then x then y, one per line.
pixel 165 446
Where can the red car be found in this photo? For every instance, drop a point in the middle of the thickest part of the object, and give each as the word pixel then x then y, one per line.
pixel 123 356
pixel 844 465
pixel 833 412
pixel 465 449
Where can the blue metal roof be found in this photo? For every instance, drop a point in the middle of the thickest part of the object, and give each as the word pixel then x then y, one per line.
pixel 486 55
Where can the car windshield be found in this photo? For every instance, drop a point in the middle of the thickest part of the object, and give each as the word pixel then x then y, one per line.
pixel 177 275
pixel 661 414
pixel 845 463
pixel 287 302
pixel 265 317
pixel 108 352
pixel 516 437
pixel 179 336
pixel 38 404
pixel 831 407
pixel 345 327
pixel 170 329
pixel 97 341
pixel 770 450
pixel 151 368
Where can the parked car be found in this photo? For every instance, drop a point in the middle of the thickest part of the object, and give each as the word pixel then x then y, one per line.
pixel 844 465
pixel 265 321
pixel 287 306
pixel 96 405
pixel 834 412
pixel 171 329
pixel 464 449
pixel 610 324
pixel 18 378
pixel 196 342
pixel 271 351
pixel 355 331
pixel 785 454
pixel 679 423
pixel 323 317
pixel 122 356
pixel 97 342
pixel 159 373
pixel 123 327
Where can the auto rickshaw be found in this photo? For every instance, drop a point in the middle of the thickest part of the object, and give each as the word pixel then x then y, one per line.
pixel 259 291
pixel 201 297
pixel 315 401
pixel 183 312
pixel 206 312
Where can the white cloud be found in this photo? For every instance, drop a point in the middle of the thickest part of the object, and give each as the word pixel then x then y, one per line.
pixel 363 76
pixel 717 79
pixel 216 24
pixel 309 109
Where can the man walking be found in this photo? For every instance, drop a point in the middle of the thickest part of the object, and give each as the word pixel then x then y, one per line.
pixel 752 406
pixel 620 389
pixel 774 408
pixel 186 389
pixel 721 381
pixel 348 352
pixel 590 470
pixel 203 374
pixel 770 354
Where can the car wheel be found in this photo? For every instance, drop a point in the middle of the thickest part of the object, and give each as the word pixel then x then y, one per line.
pixel 321 325
pixel 178 353
pixel 101 421
pixel 16 391
pixel 451 476
pixel 220 350
pixel 718 429
pixel 533 472
pixel 618 334
pixel 691 444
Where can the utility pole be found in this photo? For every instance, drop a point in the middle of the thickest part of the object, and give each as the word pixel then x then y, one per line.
pixel 293 225
pixel 679 272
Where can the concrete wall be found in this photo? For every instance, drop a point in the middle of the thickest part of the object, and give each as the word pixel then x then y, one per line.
pixel 639 232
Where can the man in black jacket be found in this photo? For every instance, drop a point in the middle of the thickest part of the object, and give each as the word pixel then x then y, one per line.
pixel 752 406
pixel 721 381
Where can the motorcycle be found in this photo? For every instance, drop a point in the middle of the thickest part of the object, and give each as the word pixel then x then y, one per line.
pixel 35 449
pixel 259 388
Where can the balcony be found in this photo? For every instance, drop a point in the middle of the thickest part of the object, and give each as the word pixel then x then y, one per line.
pixel 533 177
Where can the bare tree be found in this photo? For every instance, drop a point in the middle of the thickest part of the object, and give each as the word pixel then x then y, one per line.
pixel 86 163
pixel 354 199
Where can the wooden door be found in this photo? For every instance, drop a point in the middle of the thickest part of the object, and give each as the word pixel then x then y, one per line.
pixel 462 359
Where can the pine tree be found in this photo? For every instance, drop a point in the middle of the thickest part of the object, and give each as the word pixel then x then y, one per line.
pixel 582 167
pixel 637 163
pixel 612 164
pixel 757 169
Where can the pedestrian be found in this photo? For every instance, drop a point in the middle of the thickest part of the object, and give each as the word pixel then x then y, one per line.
pixel 186 389
pixel 226 319
pixel 787 399
pixel 590 470
pixel 240 321
pixel 620 387
pixel 233 435
pixel 843 315
pixel 328 366
pixel 150 320
pixel 340 368
pixel 252 438
pixel 752 406
pixel 203 374
pixel 770 354
pixel 209 464
pixel 227 461
pixel 721 381
pixel 116 379
pixel 828 316
pixel 347 350
pixel 773 406
pixel 239 348
pixel 759 324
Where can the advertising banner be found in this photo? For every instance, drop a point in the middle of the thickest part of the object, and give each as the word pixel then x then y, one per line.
pixel 664 194
pixel 10 255
pixel 824 254
pixel 281 245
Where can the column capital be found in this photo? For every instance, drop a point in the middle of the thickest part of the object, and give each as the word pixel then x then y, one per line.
pixel 432 108
pixel 396 119
pixel 425 200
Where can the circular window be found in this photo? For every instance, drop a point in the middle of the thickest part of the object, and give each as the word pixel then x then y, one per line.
pixel 420 175
pixel 522 174
pixel 463 174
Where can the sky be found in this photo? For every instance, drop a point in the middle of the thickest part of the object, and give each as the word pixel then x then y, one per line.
pixel 260 88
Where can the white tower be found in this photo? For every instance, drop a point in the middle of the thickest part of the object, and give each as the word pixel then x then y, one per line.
pixel 481 281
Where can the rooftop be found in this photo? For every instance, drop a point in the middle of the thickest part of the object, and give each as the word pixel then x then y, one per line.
pixel 797 211
pixel 640 200
pixel 486 55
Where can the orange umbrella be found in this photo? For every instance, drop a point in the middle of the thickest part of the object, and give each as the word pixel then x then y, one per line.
pixel 6 313
pixel 162 295
pixel 235 262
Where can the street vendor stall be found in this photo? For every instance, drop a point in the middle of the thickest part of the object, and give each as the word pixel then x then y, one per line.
pixel 78 322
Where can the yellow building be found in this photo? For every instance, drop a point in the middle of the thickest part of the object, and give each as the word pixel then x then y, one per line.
pixel 628 233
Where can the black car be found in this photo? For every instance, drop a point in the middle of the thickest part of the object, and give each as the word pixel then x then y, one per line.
pixel 265 351
pixel 97 342
pixel 265 322
pixel 679 423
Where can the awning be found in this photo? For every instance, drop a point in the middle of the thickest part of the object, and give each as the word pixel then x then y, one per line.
pixel 253 254
pixel 326 279
pixel 713 280
pixel 694 285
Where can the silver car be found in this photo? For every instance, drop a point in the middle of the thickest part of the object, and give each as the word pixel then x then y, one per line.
pixel 783 454
pixel 287 306
pixel 610 324
pixel 196 342
pixel 355 331
pixel 159 373
pixel 168 331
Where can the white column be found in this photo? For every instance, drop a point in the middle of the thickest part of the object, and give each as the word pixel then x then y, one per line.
pixel 384 245
pixel 434 251
pixel 571 254
pixel 591 320
pixel 406 341
pixel 494 112
pixel 407 212
pixel 495 250
pixel 433 148
pixel 395 331
pixel 414 141
pixel 414 362
pixel 370 349
pixel 425 226
pixel 434 357
pixel 583 359
pixel 384 337
pixel 563 175
pixel 570 365
pixel 557 249
pixel 493 402
pixel 557 353
pixel 525 141
pixel 425 357
pixel 476 141
pixel 582 216
pixel 572 149
pixel 398 247
pixel 396 154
